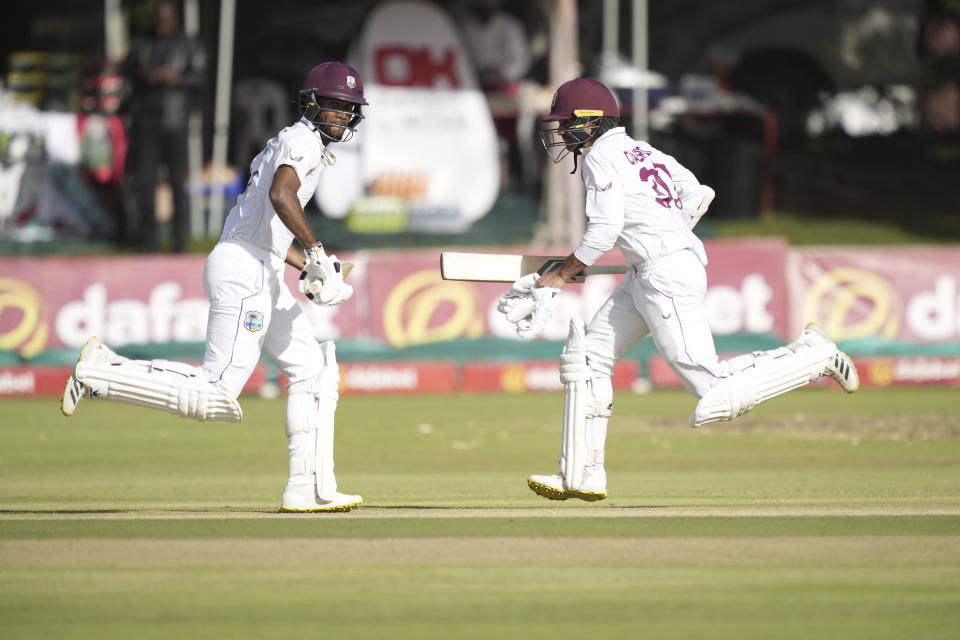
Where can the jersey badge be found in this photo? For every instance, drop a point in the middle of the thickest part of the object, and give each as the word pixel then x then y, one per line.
pixel 253 321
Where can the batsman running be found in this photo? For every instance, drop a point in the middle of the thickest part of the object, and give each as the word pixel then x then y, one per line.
pixel 251 308
pixel 646 203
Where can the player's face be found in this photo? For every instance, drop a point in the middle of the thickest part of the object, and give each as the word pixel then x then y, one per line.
pixel 564 128
pixel 568 136
pixel 337 116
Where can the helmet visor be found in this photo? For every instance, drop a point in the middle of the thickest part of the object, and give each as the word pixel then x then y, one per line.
pixel 569 135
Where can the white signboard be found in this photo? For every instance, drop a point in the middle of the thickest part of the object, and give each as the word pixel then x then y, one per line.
pixel 425 158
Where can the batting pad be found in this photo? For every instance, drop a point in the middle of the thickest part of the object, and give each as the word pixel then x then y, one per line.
pixel 574 374
pixel 173 387
pixel 768 378
pixel 311 408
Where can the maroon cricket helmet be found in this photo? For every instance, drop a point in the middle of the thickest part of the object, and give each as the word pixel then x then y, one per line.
pixel 582 97
pixel 335 80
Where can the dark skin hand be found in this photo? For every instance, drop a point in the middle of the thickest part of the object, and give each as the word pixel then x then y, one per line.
pixel 559 277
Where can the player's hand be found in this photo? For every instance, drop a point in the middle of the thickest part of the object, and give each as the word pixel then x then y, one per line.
pixel 528 306
pixel 518 301
pixel 707 194
pixel 321 279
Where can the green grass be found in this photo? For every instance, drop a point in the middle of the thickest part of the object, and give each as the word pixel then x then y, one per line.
pixel 818 515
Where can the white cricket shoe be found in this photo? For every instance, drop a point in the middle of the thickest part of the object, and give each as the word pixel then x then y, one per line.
pixel 840 367
pixel 75 391
pixel 593 489
pixel 304 499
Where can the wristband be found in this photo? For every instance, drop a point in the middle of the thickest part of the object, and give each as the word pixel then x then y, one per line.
pixel 315 245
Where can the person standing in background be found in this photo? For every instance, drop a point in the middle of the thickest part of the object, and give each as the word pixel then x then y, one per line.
pixel 165 72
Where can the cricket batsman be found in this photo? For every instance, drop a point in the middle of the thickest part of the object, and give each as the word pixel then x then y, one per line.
pixel 251 308
pixel 646 203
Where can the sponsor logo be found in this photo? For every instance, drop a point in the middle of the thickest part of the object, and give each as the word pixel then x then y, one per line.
pixel 520 378
pixel 400 66
pixel 351 82
pixel 732 310
pixel 881 372
pixel 17 383
pixel 253 321
pixel 22 324
pixel 423 308
pixel 853 303
pixel 884 372
pixel 381 378
pixel 163 317
pixel 927 370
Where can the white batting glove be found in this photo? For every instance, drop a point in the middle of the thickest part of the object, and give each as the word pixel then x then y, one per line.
pixel 528 306
pixel 321 279
pixel 545 301
pixel 518 301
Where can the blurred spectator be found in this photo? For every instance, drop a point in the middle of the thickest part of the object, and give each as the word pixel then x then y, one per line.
pixel 498 43
pixel 939 48
pixel 165 71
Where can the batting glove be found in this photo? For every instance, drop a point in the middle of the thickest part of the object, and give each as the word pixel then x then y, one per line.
pixel 528 306
pixel 321 279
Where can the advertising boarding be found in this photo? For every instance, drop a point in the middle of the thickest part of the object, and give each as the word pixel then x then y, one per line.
pixel 909 294
pixel 425 159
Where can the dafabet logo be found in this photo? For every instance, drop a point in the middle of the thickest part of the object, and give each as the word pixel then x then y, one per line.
pixel 23 323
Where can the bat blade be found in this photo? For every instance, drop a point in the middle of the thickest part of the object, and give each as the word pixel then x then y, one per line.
pixel 507 267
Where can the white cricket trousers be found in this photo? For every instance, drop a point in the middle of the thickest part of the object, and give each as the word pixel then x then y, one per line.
pixel 253 311
pixel 664 299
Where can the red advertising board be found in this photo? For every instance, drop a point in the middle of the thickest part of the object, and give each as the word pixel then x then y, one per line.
pixel 522 376
pixel 908 294
pixel 50 303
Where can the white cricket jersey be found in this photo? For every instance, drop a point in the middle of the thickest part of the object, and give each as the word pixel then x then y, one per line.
pixel 635 200
pixel 252 219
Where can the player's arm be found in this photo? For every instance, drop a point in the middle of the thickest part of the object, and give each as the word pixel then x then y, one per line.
pixel 604 209
pixel 561 276
pixel 283 197
pixel 321 278
pixel 295 257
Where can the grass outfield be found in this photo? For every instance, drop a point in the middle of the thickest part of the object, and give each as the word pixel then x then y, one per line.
pixel 819 515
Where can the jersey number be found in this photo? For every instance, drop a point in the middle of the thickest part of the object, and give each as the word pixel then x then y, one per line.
pixel 665 198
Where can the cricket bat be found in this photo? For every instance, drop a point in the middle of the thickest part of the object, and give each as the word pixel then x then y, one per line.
pixel 506 267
